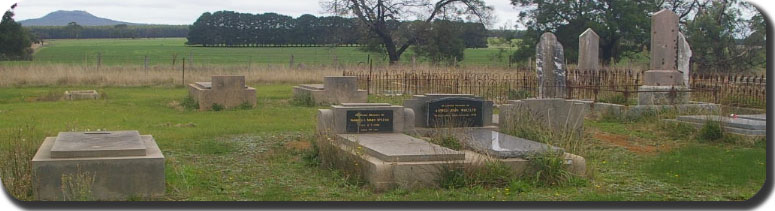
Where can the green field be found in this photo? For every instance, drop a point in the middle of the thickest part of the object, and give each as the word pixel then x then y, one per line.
pixel 261 154
pixel 162 51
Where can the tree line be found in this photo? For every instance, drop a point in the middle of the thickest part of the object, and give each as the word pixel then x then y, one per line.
pixel 232 29
pixel 75 31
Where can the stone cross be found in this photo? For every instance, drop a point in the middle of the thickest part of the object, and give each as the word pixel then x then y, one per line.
pixel 684 58
pixel 589 47
pixel 550 66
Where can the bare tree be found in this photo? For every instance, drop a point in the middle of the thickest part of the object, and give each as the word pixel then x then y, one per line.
pixel 375 15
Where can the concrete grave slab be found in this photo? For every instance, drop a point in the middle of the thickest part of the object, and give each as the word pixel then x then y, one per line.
pixel 395 147
pixel 334 90
pixel 500 145
pixel 228 91
pixel 116 176
pixel 759 117
pixel 82 95
pixel 727 121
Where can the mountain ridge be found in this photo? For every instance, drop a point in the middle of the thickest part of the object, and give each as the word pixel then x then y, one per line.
pixel 63 17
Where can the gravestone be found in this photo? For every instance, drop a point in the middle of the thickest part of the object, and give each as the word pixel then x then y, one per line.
pixel 82 95
pixel 121 164
pixel 589 50
pixel 751 125
pixel 450 110
pixel 228 91
pixel 684 58
pixel 550 66
pixel 663 83
pixel 334 90
pixel 367 139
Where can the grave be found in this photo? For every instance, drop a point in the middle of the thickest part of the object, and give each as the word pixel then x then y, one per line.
pixel 558 114
pixel 550 67
pixel 228 91
pixel 334 90
pixel 663 83
pixel 122 164
pixel 589 50
pixel 749 125
pixel 82 95
pixel 450 111
pixel 367 139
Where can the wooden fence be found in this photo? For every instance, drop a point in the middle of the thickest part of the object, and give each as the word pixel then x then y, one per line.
pixel 606 85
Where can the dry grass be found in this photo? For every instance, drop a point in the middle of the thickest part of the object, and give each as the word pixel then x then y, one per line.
pixel 137 75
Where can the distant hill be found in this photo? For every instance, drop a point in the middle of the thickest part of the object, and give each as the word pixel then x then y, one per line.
pixel 62 18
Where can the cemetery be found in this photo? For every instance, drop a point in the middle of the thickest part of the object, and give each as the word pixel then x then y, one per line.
pixel 370 135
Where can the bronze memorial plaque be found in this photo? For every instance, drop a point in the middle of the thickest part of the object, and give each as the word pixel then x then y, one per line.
pixel 369 121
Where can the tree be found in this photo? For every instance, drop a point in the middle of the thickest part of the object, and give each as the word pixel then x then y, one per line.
pixel 376 17
pixel 623 25
pixel 74 29
pixel 717 39
pixel 15 41
pixel 440 41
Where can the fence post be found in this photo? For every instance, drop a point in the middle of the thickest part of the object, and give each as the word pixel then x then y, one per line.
pixel 99 60
pixel 183 80
pixel 146 65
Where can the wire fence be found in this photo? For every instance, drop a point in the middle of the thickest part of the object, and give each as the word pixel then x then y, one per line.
pixel 612 85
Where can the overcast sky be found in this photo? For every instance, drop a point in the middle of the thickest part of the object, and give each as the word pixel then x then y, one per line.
pixel 187 11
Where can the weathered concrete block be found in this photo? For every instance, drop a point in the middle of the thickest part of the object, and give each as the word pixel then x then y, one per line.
pixel 227 91
pixel 119 170
pixel 82 95
pixel 558 114
pixel 662 95
pixel 334 90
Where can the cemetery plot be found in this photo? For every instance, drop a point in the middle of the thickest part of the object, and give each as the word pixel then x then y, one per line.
pixel 334 90
pixel 225 91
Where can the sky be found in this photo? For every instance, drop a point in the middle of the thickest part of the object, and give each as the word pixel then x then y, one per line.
pixel 187 11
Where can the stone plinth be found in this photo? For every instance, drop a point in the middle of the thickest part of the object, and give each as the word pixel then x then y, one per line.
pixel 353 118
pixel 389 161
pixel 82 95
pixel 228 91
pixel 334 90
pixel 558 114
pixel 450 110
pixel 662 95
pixel 122 164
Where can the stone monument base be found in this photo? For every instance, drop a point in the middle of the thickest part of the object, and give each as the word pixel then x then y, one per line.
pixel 82 95
pixel 662 95
pixel 334 90
pixel 663 78
pixel 138 174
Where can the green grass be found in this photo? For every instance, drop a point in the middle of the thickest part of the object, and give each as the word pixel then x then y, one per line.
pixel 160 51
pixel 263 153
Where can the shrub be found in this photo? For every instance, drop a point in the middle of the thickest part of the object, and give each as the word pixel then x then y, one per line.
pixel 17 147
pixel 190 103
pixel 711 131
pixel 216 107
pixel 549 169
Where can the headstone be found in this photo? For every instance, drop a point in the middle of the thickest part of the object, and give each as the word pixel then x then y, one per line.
pixel 354 118
pixel 450 110
pixel 228 91
pixel 663 83
pixel 684 58
pixel 369 121
pixel 550 66
pixel 334 90
pixel 589 48
pixel 121 164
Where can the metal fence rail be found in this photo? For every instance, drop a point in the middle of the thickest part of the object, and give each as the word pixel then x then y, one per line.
pixel 605 85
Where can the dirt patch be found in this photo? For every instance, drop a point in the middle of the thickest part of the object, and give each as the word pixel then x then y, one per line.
pixel 630 143
pixel 298 145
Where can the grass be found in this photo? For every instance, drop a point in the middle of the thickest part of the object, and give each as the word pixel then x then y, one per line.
pixel 266 153
pixel 165 51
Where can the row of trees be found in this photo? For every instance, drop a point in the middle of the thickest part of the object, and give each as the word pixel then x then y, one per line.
pixel 75 31
pixel 715 30
pixel 15 41
pixel 437 40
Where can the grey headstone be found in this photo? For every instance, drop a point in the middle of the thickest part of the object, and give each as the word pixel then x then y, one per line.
pixel 664 35
pixel 684 58
pixel 589 47
pixel 550 66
